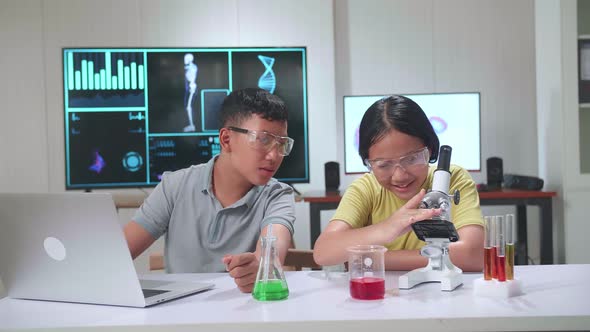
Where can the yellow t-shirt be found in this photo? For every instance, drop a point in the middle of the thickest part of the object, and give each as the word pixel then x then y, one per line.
pixel 366 202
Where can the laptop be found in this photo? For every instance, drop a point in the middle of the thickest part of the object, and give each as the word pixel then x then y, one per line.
pixel 70 247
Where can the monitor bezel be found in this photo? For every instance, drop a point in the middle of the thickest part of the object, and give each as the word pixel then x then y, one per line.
pixel 409 95
pixel 91 186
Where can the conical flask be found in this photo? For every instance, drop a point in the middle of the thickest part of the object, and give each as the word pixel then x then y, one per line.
pixel 270 284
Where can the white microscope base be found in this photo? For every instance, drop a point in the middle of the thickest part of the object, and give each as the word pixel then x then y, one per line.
pixel 449 280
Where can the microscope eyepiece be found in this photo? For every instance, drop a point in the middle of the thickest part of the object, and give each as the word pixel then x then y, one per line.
pixel 444 158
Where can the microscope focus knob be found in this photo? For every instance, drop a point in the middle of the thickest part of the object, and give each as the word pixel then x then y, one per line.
pixel 456 197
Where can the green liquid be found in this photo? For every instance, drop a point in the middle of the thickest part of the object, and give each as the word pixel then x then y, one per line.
pixel 270 290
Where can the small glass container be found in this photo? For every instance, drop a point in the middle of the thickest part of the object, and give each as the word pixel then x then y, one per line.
pixel 489 256
pixel 366 266
pixel 500 248
pixel 510 240
pixel 270 284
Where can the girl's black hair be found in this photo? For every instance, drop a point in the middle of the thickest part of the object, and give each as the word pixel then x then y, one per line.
pixel 399 113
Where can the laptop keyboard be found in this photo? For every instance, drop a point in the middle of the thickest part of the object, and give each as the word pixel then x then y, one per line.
pixel 152 292
pixel 148 285
pixel 153 283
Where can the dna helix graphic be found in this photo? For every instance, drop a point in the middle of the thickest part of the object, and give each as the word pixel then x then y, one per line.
pixel 268 80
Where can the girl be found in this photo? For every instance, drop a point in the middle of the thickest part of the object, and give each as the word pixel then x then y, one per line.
pixel 396 142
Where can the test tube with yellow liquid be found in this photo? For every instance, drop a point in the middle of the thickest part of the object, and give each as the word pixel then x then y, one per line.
pixel 510 239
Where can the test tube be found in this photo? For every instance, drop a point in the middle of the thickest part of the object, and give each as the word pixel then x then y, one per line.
pixel 494 247
pixel 500 248
pixel 510 246
pixel 487 249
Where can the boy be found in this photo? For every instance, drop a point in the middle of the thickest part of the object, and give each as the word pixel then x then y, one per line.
pixel 213 214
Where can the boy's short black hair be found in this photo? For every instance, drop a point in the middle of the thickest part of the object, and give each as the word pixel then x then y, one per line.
pixel 240 105
pixel 399 113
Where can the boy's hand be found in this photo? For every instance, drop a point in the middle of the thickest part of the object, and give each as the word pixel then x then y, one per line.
pixel 243 268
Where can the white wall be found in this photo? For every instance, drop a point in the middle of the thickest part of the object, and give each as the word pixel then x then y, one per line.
pixel 576 184
pixel 23 129
pixel 558 123
pixel 550 121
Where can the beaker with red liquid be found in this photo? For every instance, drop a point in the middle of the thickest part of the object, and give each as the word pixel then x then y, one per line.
pixel 366 269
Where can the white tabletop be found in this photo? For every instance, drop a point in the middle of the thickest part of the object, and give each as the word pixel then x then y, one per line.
pixel 557 297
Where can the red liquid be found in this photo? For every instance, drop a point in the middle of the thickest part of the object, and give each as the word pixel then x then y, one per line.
pixel 367 288
pixel 501 265
pixel 487 263
pixel 494 263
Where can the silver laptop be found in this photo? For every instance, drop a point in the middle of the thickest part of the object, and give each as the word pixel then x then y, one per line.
pixel 70 247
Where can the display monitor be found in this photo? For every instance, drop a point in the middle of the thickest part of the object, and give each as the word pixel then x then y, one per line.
pixel 454 116
pixel 133 113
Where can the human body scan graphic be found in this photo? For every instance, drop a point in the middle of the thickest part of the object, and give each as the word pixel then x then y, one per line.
pixel 190 87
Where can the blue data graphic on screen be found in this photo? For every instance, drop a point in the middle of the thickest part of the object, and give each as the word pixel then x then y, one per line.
pixel 455 118
pixel 133 114
pixel 105 79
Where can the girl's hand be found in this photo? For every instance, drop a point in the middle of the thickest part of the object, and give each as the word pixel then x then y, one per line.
pixel 402 220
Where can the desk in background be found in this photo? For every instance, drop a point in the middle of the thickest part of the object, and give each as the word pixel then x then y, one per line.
pixel 318 304
pixel 322 200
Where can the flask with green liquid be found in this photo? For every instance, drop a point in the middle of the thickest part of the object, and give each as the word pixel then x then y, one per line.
pixel 270 284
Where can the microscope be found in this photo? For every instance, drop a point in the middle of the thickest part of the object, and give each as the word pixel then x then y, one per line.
pixel 437 232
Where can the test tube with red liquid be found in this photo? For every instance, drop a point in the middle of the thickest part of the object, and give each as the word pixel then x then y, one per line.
pixel 510 246
pixel 500 248
pixel 488 257
pixel 493 239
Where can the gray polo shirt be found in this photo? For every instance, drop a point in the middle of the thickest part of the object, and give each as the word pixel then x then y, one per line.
pixel 199 231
